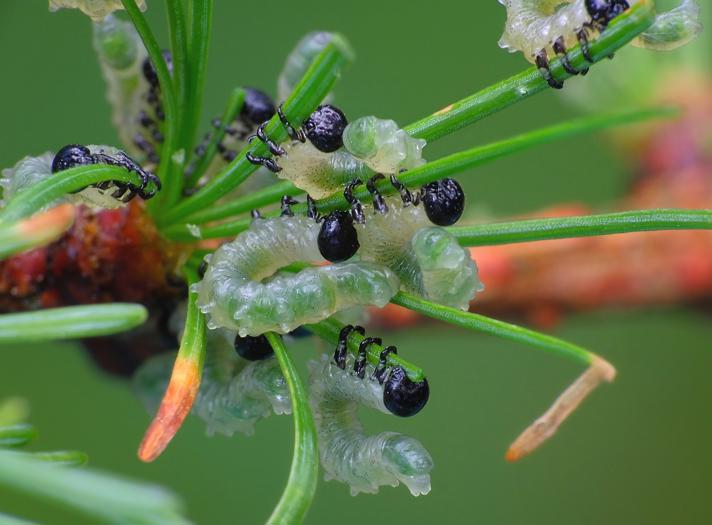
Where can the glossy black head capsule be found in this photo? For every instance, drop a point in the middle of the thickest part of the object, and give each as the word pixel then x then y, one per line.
pixel 603 11
pixel 257 107
pixel 70 156
pixel 338 239
pixel 444 201
pixel 253 348
pixel 149 72
pixel 325 128
pixel 402 396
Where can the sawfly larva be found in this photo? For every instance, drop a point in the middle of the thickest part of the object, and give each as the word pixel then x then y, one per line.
pixel 399 234
pixel 347 453
pixel 542 28
pixel 74 155
pixel 234 393
pixel 243 290
pixel 31 170
pixel 121 56
pixel 299 60
pixel 673 28
pixel 315 161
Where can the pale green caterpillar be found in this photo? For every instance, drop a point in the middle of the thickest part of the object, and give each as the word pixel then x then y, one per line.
pixel 31 170
pixel 299 60
pixel 370 145
pixel 427 259
pixel 234 393
pixel 673 28
pixel 243 291
pixel 136 108
pixel 552 26
pixel 121 56
pixel 347 453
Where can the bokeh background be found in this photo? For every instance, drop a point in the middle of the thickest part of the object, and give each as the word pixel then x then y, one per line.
pixel 637 452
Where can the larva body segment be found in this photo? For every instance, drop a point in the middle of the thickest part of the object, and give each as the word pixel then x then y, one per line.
pixel 96 9
pixel 25 173
pixel 318 173
pixel 31 170
pixel 427 259
pixel 121 56
pixel 240 290
pixel 234 393
pixel 299 60
pixel 347 453
pixel 673 28
pixel 533 25
pixel 370 145
pixel 382 145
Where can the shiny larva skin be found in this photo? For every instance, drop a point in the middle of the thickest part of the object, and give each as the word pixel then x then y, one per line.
pixel 364 462
pixel 123 61
pixel 534 25
pixel 243 291
pixel 31 170
pixel 427 259
pixel 299 61
pixel 370 145
pixel 234 393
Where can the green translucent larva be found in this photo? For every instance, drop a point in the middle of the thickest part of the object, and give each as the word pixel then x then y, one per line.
pixel 382 145
pixel 534 25
pixel 96 9
pixel 427 259
pixel 299 61
pixel 234 393
pixel 25 173
pixel 370 145
pixel 347 453
pixel 672 29
pixel 31 170
pixel 243 291
pixel 317 173
pixel 121 55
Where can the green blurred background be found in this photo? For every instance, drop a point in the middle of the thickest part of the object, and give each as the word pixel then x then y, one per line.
pixel 638 450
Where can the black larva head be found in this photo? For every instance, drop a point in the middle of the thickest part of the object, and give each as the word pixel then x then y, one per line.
pixel 258 106
pixel 70 156
pixel 444 201
pixel 202 268
pixel 337 239
pixel 603 11
pixel 402 396
pixel 325 128
pixel 149 72
pixel 253 348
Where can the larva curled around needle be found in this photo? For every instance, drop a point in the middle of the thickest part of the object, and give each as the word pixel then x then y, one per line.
pixel 399 233
pixel 243 290
pixel 541 29
pixel 234 392
pixel 364 462
pixel 109 194
pixel 298 61
pixel 133 90
pixel 328 152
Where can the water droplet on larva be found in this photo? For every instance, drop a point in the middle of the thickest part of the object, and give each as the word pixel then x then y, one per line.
pixel 522 91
